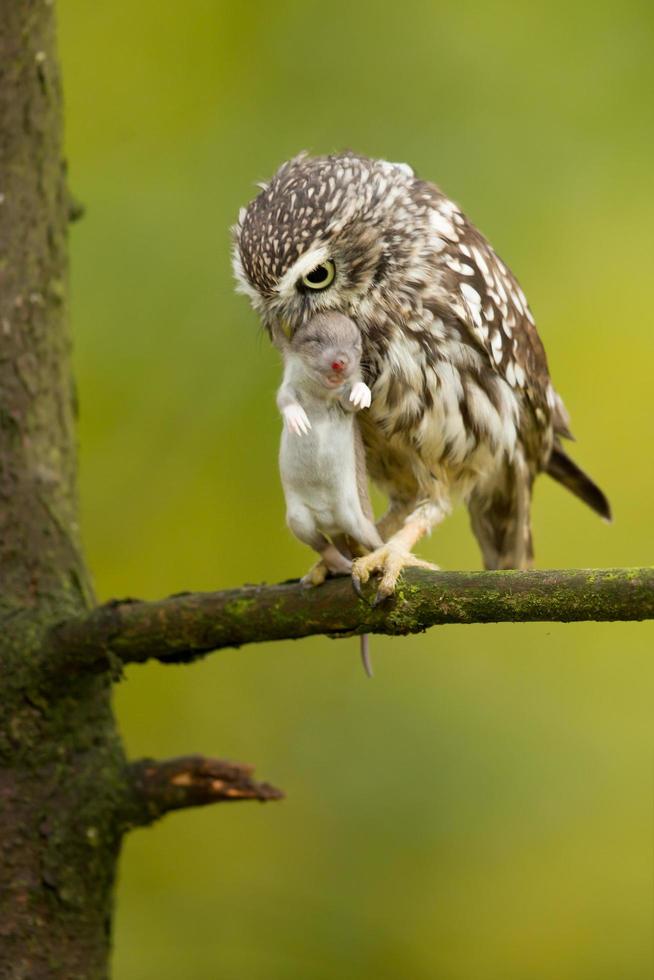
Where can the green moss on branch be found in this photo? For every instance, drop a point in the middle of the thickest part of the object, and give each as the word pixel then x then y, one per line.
pixel 184 627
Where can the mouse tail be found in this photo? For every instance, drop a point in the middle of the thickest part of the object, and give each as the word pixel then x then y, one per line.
pixel 365 654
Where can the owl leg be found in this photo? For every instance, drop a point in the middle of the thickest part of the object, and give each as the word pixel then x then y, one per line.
pixel 500 517
pixel 393 519
pixel 395 554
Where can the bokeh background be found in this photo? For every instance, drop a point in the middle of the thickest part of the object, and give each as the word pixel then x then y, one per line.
pixel 483 808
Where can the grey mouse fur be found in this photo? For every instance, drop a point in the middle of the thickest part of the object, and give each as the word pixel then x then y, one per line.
pixel 322 458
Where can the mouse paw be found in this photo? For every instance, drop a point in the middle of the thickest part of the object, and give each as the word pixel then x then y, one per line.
pixel 296 419
pixel 315 576
pixel 361 396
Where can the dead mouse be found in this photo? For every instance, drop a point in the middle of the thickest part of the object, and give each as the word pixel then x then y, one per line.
pixel 322 458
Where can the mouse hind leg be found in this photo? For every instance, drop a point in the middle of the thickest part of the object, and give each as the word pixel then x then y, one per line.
pixel 332 562
pixel 363 532
pixel 302 523
pixel 319 572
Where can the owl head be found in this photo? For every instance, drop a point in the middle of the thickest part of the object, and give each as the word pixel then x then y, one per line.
pixel 334 233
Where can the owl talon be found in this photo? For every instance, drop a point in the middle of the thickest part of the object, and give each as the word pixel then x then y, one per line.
pixel 388 561
pixel 360 576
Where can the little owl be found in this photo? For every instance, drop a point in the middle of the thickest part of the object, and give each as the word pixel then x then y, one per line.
pixel 462 402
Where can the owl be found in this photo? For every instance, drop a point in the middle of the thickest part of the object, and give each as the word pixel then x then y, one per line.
pixel 463 408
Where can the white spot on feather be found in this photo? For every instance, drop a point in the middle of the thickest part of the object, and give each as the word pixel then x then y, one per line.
pixel 405 168
pixel 461 267
pixel 443 226
pixel 470 294
pixel 483 265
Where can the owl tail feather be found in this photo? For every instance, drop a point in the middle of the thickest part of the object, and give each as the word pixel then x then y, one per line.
pixel 565 471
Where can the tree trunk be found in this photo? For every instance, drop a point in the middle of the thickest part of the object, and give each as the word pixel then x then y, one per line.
pixel 67 793
pixel 60 756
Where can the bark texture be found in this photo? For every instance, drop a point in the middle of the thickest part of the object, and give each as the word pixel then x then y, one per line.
pixel 157 787
pixel 59 753
pixel 184 627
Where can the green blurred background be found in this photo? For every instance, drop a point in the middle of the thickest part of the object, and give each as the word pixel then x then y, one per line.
pixel 483 808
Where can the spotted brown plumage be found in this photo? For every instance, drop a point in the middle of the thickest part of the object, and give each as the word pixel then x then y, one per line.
pixel 462 402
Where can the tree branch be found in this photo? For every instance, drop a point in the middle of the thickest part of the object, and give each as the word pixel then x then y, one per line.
pixel 157 787
pixel 186 626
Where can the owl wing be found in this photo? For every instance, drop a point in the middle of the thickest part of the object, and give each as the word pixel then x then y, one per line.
pixel 488 302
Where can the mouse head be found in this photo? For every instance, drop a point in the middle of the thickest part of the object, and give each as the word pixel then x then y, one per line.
pixel 329 346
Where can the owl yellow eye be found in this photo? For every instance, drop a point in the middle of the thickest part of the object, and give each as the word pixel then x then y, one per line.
pixel 320 277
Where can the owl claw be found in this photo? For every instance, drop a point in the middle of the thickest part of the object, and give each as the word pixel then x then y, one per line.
pixel 388 561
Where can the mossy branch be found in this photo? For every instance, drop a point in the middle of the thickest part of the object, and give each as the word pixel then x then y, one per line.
pixel 183 627
pixel 157 787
